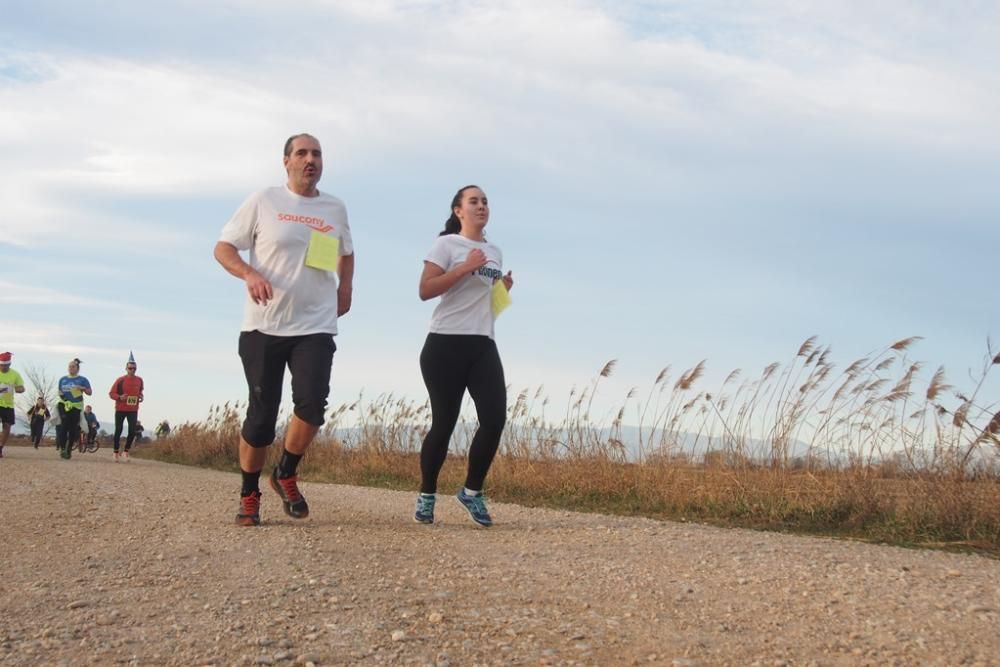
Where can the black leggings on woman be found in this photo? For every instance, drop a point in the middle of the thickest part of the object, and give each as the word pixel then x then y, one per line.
pixel 451 364
pixel 68 431
pixel 37 426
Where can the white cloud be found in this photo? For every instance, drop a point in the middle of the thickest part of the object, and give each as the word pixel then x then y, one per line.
pixel 602 100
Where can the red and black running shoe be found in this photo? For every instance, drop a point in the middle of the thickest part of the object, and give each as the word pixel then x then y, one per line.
pixel 249 514
pixel 288 488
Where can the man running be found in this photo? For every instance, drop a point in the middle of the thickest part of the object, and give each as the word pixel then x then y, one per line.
pixel 72 388
pixel 299 280
pixel 10 384
pixel 127 393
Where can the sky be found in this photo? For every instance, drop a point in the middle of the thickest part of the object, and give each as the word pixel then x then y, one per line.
pixel 669 181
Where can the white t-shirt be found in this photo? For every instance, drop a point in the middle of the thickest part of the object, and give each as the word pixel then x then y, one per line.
pixel 467 308
pixel 275 225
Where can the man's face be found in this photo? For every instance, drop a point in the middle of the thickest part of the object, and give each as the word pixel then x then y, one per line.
pixel 130 369
pixel 305 164
pixel 4 368
pixel 88 409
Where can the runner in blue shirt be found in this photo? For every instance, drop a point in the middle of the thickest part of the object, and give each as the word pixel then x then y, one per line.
pixel 72 389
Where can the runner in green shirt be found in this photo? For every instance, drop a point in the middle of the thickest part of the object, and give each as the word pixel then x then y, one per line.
pixel 10 384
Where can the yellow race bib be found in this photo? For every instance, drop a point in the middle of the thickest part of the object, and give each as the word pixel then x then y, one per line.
pixel 500 298
pixel 323 252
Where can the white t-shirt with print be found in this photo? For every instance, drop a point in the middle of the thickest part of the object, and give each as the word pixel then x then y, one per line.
pixel 275 225
pixel 467 308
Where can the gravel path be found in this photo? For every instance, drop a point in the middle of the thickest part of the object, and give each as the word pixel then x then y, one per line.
pixel 141 564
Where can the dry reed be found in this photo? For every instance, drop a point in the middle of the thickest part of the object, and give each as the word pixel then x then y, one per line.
pixel 799 447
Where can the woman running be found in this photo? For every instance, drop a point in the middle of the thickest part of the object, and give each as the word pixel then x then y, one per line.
pixel 71 388
pixel 460 353
pixel 37 416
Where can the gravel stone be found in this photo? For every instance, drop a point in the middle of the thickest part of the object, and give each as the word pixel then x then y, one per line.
pixel 359 583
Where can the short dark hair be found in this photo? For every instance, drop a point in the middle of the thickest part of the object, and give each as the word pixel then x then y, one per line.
pixel 288 144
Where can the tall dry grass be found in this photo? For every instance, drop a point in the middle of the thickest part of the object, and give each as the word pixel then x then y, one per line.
pixel 876 450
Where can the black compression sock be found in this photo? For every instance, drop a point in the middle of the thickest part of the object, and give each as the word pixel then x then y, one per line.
pixel 251 483
pixel 289 462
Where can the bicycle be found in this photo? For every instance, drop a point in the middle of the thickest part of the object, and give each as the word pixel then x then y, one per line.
pixel 86 446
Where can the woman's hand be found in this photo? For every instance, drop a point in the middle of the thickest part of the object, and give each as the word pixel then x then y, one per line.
pixel 508 281
pixel 474 260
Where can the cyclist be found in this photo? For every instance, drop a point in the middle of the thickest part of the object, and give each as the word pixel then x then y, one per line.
pixel 92 425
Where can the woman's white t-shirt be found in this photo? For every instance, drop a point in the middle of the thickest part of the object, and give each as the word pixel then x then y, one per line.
pixel 275 225
pixel 467 308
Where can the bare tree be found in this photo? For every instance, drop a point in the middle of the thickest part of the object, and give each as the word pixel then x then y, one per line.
pixel 38 383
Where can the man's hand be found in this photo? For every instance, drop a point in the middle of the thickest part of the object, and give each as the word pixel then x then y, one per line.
pixel 258 286
pixel 508 281
pixel 344 296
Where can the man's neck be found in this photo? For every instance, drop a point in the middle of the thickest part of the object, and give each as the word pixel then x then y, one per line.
pixel 304 189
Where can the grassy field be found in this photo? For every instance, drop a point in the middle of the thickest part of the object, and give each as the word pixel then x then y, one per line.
pixel 865 453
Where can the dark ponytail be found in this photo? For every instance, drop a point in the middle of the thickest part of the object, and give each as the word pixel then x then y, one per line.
pixel 453 225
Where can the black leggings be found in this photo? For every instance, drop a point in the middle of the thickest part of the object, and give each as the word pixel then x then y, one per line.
pixel 451 364
pixel 68 431
pixel 37 426
pixel 120 418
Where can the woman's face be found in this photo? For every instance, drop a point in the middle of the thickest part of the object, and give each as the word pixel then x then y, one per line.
pixel 74 368
pixel 474 209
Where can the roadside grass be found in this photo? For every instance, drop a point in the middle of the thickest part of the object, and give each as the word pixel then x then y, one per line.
pixel 862 454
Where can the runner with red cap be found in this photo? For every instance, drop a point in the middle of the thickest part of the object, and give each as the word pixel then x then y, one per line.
pixel 10 384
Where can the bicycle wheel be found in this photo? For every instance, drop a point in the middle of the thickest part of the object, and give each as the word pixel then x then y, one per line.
pixel 94 446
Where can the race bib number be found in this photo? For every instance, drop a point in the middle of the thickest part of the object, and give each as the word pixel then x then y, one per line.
pixel 323 251
pixel 500 298
pixel 132 400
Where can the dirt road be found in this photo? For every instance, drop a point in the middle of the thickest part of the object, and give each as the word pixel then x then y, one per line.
pixel 141 564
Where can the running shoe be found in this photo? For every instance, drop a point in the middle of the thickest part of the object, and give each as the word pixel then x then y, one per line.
pixel 476 506
pixel 67 452
pixel 288 488
pixel 425 509
pixel 249 514
pixel 125 456
pixel 116 457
